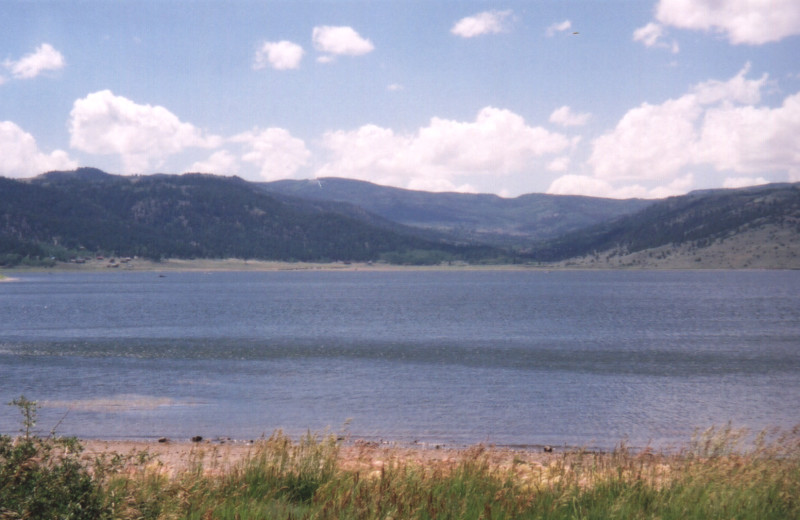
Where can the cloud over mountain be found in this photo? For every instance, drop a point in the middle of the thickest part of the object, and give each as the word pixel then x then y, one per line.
pixel 20 155
pixel 274 151
pixel 142 135
pixel 717 124
pixel 444 154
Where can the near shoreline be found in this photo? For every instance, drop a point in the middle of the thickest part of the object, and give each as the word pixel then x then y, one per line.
pixel 175 457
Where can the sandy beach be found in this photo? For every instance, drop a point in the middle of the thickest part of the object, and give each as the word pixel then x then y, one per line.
pixel 171 457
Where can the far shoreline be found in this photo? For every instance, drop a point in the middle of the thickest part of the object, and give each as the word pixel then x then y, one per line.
pixel 239 265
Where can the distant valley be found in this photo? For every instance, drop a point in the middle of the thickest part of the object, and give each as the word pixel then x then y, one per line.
pixel 63 216
pixel 473 217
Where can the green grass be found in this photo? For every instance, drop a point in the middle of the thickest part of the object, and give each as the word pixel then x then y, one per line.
pixel 721 474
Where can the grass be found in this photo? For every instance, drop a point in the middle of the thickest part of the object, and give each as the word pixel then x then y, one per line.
pixel 722 473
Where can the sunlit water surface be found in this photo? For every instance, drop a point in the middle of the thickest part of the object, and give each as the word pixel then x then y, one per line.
pixel 504 357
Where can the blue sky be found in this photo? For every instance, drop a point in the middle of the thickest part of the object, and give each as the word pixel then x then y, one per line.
pixel 645 98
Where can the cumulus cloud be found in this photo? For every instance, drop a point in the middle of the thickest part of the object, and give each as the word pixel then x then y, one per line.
pixel 559 164
pixel 441 155
pixel 221 162
pixel 751 140
pixel 652 35
pixel 566 117
pixel 742 21
pixel 45 58
pixel 276 153
pixel 282 55
pixel 580 185
pixel 339 41
pixel 487 22
pixel 738 89
pixel 558 27
pixel 143 135
pixel 650 141
pixel 717 124
pixel 20 155
pixel 743 182
pixel 594 187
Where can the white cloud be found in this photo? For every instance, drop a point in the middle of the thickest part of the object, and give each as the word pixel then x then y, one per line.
pixel 394 87
pixel 738 89
pixel 580 185
pixel 143 135
pixel 487 22
pixel 717 124
pixel 31 65
pixel 652 35
pixel 559 164
pixel 752 22
pixel 441 155
pixel 221 162
pixel 743 182
pixel 650 141
pixel 566 117
pixel 558 27
pixel 20 155
pixel 282 55
pixel 339 41
pixel 276 153
pixel 752 140
pixel 649 34
pixel 594 187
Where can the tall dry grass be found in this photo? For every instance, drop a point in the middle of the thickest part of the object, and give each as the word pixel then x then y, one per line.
pixel 722 473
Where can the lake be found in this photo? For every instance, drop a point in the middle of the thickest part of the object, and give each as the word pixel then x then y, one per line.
pixel 564 358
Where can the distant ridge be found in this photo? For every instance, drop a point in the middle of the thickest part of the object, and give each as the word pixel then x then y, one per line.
pixel 477 217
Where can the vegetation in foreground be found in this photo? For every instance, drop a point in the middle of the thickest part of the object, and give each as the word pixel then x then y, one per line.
pixel 713 477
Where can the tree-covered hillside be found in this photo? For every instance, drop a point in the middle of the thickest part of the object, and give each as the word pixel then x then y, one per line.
pixel 192 216
pixel 699 218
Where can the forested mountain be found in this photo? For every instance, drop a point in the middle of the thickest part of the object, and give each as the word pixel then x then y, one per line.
pixel 62 215
pixel 474 217
pixel 764 219
pixel 195 216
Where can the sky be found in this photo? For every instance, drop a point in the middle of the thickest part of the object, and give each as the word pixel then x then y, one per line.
pixel 606 98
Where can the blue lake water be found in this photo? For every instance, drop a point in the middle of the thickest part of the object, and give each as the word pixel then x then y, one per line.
pixel 575 358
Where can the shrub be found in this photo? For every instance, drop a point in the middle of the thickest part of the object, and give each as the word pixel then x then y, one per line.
pixel 43 477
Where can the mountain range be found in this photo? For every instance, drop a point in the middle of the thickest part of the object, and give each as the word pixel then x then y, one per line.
pixel 67 214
